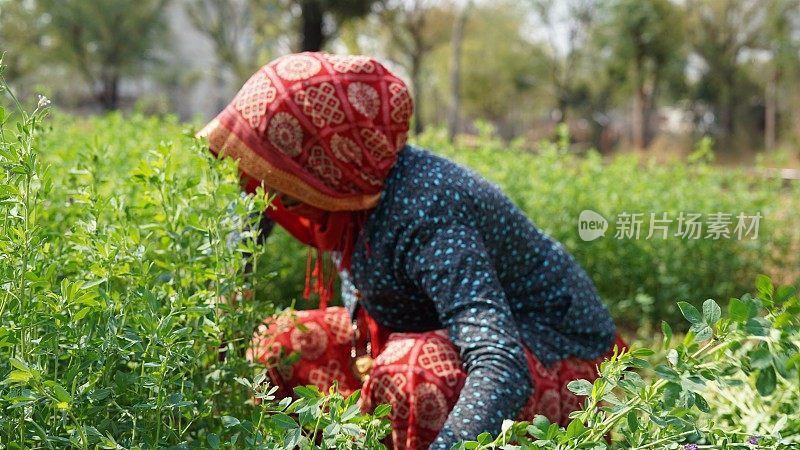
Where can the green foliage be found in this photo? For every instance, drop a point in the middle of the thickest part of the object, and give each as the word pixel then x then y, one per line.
pixel 19 31
pixel 720 33
pixel 116 249
pixel 647 38
pixel 314 419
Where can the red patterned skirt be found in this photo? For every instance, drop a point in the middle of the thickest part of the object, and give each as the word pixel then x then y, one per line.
pixel 419 374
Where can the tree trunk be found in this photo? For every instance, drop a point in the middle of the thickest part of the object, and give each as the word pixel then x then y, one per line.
pixel 728 114
pixel 455 72
pixel 562 104
pixel 109 92
pixel 312 35
pixel 651 93
pixel 771 112
pixel 416 85
pixel 638 119
pixel 639 107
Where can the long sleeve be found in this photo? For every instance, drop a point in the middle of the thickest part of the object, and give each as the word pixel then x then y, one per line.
pixel 451 266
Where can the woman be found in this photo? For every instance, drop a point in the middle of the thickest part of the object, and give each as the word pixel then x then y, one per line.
pixel 474 315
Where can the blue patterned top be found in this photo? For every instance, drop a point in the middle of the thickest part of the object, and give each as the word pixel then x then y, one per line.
pixel 449 250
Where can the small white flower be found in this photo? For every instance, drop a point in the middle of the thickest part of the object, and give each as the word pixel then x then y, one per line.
pixel 44 102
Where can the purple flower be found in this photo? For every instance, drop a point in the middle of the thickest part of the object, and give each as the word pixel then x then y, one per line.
pixel 690 447
pixel 753 440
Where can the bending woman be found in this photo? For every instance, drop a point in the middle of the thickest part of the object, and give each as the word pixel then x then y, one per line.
pixel 474 314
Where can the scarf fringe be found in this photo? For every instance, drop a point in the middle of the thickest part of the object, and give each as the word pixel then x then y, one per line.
pixel 324 278
pixel 307 289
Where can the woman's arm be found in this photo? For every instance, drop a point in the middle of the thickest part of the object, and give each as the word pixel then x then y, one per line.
pixel 452 267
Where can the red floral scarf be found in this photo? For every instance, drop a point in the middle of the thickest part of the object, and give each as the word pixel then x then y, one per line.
pixel 324 129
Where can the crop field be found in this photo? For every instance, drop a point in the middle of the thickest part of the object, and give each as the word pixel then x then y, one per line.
pixel 120 233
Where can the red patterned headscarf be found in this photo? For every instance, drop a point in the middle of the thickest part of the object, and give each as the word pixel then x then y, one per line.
pixel 324 129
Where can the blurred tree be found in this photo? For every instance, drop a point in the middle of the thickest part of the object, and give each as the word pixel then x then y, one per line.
pixel 411 29
pixel 20 38
pixel 595 93
pixel 350 35
pixel 567 29
pixel 455 70
pixel 782 23
pixel 245 33
pixel 721 32
pixel 646 41
pixel 582 76
pixel 104 40
pixel 320 19
pixel 504 79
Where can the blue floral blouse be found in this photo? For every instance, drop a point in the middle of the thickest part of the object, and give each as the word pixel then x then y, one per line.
pixel 449 250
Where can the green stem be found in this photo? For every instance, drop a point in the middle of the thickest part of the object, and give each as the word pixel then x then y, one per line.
pixel 316 425
pixel 663 440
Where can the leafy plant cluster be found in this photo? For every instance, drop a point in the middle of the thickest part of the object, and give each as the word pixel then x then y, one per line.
pixel 314 420
pixel 115 251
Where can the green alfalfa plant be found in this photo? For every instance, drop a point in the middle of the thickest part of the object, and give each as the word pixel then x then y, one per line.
pixel 24 182
pixel 763 398
pixel 755 347
pixel 312 420
pixel 109 333
pixel 111 329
